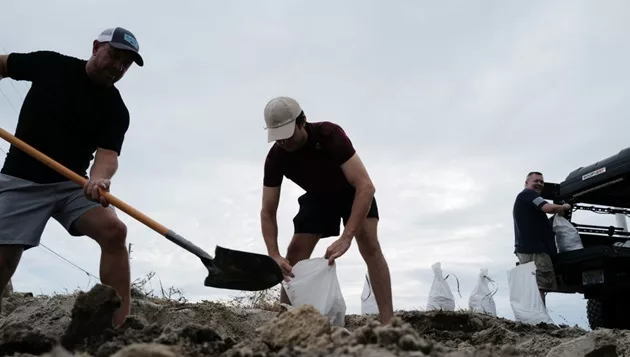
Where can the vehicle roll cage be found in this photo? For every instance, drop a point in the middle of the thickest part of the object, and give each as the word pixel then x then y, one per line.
pixel 610 231
pixel 603 188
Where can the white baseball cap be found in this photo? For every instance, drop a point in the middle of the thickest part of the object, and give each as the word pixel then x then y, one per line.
pixel 280 115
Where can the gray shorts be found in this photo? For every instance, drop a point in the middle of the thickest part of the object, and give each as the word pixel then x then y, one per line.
pixel 26 207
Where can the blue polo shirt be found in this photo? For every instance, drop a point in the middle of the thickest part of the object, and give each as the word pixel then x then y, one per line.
pixel 532 229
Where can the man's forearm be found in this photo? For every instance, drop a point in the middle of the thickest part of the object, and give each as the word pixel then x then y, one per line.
pixel 269 226
pixel 558 208
pixel 104 169
pixel 105 164
pixel 360 208
pixel 554 208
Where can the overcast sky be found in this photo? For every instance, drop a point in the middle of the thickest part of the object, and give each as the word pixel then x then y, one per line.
pixel 449 104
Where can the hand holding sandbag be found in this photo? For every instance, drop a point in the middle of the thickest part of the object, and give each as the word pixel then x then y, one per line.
pixel 315 283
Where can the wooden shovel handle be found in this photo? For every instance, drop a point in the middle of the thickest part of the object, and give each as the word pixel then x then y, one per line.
pixel 80 180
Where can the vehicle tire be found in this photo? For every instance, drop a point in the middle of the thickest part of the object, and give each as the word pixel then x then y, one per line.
pixel 607 313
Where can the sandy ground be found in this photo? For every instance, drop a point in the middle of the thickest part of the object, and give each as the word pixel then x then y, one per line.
pixel 80 325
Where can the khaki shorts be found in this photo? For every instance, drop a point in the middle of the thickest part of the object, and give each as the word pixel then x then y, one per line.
pixel 545 275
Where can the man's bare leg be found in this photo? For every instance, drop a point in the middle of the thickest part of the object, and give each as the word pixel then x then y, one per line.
pixel 8 289
pixel 378 270
pixel 9 258
pixel 102 225
pixel 300 248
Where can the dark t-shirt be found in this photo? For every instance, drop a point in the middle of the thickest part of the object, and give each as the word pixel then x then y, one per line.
pixel 316 167
pixel 532 231
pixel 64 115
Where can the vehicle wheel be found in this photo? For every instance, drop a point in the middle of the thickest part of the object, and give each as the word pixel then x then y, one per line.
pixel 607 313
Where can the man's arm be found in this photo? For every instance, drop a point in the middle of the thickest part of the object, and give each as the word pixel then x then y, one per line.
pixel 268 219
pixel 357 175
pixel 4 72
pixel 110 141
pixel 272 182
pixel 340 147
pixel 103 169
pixel 542 204
pixel 553 208
pixel 105 164
pixel 269 225
pixel 33 66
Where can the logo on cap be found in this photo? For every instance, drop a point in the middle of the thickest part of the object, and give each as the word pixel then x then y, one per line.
pixel 132 41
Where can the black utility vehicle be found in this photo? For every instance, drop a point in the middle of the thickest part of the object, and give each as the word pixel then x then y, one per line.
pixel 601 270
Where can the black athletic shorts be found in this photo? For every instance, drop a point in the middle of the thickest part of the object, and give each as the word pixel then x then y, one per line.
pixel 323 216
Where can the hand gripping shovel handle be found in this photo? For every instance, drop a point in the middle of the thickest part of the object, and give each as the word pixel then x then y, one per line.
pixel 113 200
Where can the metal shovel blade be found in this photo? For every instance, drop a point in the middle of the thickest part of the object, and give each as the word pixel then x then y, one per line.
pixel 238 270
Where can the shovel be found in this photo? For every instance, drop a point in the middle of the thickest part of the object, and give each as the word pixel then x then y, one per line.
pixel 229 269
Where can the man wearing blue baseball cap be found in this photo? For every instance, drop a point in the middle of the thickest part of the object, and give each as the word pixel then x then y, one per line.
pixel 73 113
pixel 122 39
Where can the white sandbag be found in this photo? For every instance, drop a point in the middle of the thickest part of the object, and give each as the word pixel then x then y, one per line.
pixel 368 301
pixel 440 296
pixel 481 299
pixel 567 236
pixel 525 298
pixel 315 283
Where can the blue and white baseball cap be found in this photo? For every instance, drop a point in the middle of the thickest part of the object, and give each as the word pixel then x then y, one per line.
pixel 123 39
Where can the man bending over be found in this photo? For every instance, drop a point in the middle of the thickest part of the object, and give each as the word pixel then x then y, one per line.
pixel 72 113
pixel 321 159
pixel 534 239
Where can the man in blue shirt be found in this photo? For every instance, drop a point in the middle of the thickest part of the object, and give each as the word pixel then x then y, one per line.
pixel 534 239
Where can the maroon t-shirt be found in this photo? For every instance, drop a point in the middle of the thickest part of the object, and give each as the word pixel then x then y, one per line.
pixel 316 167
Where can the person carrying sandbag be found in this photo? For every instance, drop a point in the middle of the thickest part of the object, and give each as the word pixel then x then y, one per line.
pixel 320 158
pixel 534 239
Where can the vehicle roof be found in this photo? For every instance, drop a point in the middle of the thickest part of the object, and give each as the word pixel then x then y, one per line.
pixel 605 182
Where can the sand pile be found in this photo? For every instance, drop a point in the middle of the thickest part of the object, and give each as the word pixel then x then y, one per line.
pixel 80 325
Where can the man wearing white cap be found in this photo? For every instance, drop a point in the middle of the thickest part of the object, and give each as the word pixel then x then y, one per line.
pixel 320 158
pixel 72 113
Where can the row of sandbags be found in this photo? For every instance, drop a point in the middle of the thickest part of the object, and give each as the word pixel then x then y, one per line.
pixel 315 283
pixel 441 296
pixel 525 300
